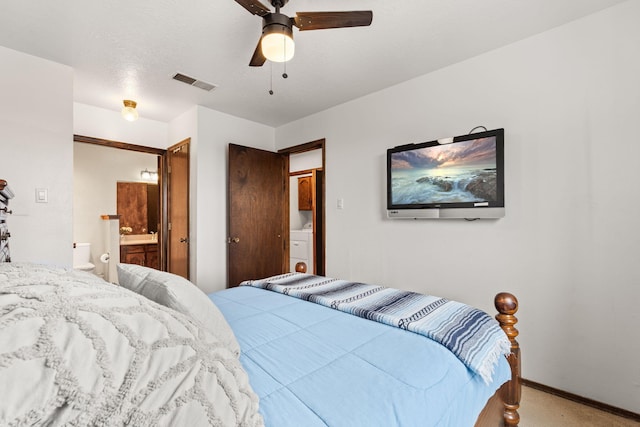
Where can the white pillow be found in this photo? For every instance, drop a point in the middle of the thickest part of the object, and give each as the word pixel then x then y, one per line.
pixel 178 293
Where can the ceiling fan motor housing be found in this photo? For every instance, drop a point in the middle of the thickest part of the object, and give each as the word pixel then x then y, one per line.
pixel 281 22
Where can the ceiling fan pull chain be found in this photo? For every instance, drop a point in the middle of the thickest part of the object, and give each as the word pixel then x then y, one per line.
pixel 270 78
pixel 284 74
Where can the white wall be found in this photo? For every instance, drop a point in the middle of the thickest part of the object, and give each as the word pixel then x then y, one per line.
pixel 306 160
pixel 569 101
pixel 211 133
pixel 97 170
pixel 107 124
pixel 36 129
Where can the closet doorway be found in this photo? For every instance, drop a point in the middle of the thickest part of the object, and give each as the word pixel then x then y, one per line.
pixel 258 217
pixel 307 205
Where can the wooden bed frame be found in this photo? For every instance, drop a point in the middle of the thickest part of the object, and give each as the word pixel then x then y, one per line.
pixel 502 408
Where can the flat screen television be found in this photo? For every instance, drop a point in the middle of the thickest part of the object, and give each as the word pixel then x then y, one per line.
pixel 460 177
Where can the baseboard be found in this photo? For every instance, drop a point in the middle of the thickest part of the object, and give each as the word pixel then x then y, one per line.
pixel 582 400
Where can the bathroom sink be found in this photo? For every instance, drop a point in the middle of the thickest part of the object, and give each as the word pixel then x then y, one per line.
pixel 138 239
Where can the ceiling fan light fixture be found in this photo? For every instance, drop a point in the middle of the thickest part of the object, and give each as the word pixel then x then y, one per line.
pixel 278 47
pixel 129 111
pixel 277 38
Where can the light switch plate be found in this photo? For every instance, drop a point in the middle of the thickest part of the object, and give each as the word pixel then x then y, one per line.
pixel 42 195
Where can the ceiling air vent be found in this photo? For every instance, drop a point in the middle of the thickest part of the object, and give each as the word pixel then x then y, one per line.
pixel 193 82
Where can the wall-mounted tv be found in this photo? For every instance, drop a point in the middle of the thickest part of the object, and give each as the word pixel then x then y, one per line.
pixel 460 177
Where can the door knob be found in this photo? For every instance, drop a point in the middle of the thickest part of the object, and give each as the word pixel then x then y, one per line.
pixel 233 239
pixel 183 240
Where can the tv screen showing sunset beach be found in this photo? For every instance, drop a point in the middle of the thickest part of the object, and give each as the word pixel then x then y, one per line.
pixel 461 172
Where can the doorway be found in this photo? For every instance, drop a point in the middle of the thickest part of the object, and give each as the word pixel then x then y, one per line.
pixel 314 213
pixel 306 206
pixel 86 224
pixel 258 215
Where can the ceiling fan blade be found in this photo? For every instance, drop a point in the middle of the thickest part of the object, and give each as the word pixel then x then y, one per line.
pixel 254 6
pixel 322 20
pixel 258 59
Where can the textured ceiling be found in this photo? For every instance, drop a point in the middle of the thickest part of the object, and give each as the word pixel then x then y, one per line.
pixel 130 49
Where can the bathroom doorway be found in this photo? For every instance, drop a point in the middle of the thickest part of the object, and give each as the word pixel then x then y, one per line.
pixel 98 166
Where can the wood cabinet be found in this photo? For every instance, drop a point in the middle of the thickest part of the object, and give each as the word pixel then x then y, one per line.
pixel 305 193
pixel 151 255
pixel 146 255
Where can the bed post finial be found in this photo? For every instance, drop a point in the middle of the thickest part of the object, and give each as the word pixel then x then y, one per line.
pixel 507 306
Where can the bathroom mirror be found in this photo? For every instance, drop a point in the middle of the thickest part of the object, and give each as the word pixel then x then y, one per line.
pixel 138 207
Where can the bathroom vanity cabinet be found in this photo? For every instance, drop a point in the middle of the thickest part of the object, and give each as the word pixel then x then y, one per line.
pixel 145 254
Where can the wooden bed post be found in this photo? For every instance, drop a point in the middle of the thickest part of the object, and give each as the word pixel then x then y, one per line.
pixel 507 305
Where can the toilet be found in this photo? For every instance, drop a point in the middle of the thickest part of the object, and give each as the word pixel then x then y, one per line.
pixel 81 257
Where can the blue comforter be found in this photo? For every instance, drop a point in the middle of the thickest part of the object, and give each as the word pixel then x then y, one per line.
pixel 471 334
pixel 315 366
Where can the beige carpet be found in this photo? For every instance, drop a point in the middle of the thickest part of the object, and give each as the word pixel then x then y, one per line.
pixel 539 409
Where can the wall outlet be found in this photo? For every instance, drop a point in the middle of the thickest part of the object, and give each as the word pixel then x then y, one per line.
pixel 341 203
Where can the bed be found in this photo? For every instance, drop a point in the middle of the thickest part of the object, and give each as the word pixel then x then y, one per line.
pixel 76 350
pixel 314 365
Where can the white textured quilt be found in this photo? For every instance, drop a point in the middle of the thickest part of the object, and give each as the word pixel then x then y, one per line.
pixel 75 350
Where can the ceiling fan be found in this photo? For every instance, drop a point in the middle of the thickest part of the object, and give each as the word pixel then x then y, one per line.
pixel 276 43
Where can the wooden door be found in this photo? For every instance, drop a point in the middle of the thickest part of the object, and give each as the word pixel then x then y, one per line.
pixel 258 214
pixel 178 209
